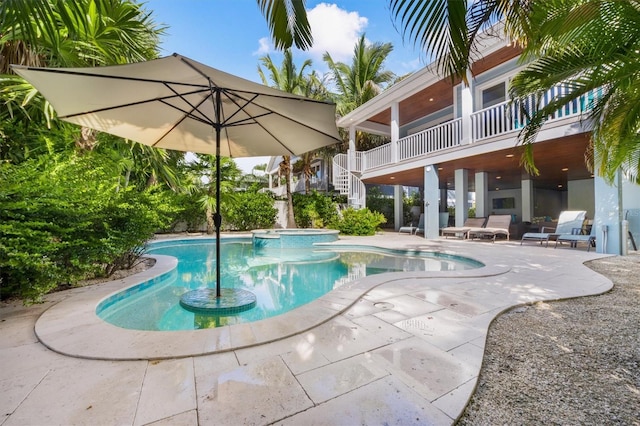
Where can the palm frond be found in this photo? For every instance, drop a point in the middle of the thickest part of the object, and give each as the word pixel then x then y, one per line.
pixel 288 24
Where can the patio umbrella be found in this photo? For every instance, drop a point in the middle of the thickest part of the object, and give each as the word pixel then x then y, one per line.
pixel 180 104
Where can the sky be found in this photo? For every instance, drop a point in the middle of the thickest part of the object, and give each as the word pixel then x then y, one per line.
pixel 232 36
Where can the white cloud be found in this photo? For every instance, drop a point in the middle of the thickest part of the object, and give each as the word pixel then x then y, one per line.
pixel 265 47
pixel 412 66
pixel 339 37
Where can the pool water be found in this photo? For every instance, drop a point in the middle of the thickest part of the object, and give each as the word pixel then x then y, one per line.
pixel 282 279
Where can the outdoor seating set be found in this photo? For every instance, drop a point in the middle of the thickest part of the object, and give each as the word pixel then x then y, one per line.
pixel 480 227
pixel 414 230
pixel 570 229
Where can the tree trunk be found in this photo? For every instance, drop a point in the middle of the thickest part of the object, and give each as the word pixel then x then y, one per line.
pixel 210 223
pixel 285 166
pixel 87 139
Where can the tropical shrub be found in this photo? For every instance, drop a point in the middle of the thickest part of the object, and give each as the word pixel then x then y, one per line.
pixel 358 222
pixel 67 220
pixel 250 210
pixel 191 216
pixel 314 210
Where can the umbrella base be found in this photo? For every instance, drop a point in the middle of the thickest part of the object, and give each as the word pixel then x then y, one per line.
pixel 231 301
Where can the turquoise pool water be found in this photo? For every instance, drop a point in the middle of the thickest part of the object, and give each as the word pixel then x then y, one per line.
pixel 282 279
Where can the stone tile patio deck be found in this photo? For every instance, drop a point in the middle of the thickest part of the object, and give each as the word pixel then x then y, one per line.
pixel 399 348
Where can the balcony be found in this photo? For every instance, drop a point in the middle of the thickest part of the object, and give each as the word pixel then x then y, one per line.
pixel 498 121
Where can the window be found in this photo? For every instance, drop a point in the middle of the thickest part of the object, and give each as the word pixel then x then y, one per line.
pixel 504 203
pixel 494 95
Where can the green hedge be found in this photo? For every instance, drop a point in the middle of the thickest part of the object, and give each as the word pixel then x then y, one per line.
pixel 314 210
pixel 67 221
pixel 358 222
pixel 250 210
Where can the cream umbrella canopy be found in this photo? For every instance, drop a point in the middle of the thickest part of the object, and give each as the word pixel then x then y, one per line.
pixel 180 104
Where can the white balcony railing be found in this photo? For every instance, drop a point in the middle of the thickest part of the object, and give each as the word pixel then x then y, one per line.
pixel 490 122
pixel 506 117
pixel 359 161
pixel 442 136
pixel 376 157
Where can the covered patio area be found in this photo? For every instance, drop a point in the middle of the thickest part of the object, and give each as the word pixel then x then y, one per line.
pixel 499 183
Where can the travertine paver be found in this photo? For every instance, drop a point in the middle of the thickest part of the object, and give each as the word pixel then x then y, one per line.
pixel 400 348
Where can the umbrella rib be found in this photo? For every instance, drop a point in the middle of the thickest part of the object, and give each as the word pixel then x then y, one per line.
pixel 185 116
pixel 241 108
pixel 161 99
pixel 253 101
pixel 200 117
pixel 111 77
pixel 238 92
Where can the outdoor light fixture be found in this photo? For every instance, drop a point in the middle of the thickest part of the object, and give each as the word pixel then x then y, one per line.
pixel 509 155
pixel 565 169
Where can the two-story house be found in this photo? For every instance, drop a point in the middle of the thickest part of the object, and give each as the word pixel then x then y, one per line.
pixel 447 136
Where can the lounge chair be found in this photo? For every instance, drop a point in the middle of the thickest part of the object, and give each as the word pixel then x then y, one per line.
pixel 471 222
pixel 574 239
pixel 567 222
pixel 497 224
pixel 412 229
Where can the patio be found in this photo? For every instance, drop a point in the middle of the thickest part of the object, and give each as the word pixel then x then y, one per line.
pixel 403 348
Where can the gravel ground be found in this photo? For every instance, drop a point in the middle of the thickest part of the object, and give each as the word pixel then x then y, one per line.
pixel 571 362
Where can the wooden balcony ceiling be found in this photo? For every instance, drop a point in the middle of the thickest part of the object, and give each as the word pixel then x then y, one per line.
pixel 440 95
pixel 425 102
pixel 504 169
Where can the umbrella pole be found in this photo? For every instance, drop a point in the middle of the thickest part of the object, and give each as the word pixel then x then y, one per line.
pixel 217 218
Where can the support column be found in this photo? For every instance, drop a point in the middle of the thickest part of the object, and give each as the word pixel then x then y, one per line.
pixel 466 108
pixel 609 215
pixel 461 178
pixel 431 193
pixel 351 163
pixel 527 200
pixel 398 198
pixel 482 194
pixel 395 131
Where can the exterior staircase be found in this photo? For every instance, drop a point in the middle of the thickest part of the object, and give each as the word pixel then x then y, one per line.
pixel 347 182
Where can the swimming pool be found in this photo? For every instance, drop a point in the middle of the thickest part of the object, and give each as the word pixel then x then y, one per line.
pixel 281 278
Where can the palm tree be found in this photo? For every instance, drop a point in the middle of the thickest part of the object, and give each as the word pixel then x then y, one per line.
pixel 203 172
pixel 303 165
pixel 588 46
pixel 364 78
pixel 287 20
pixel 361 81
pixel 447 30
pixel 76 34
pixel 288 79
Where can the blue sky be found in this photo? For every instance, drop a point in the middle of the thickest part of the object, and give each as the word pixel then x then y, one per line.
pixel 232 35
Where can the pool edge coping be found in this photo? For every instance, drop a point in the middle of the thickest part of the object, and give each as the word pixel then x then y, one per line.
pixel 71 327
